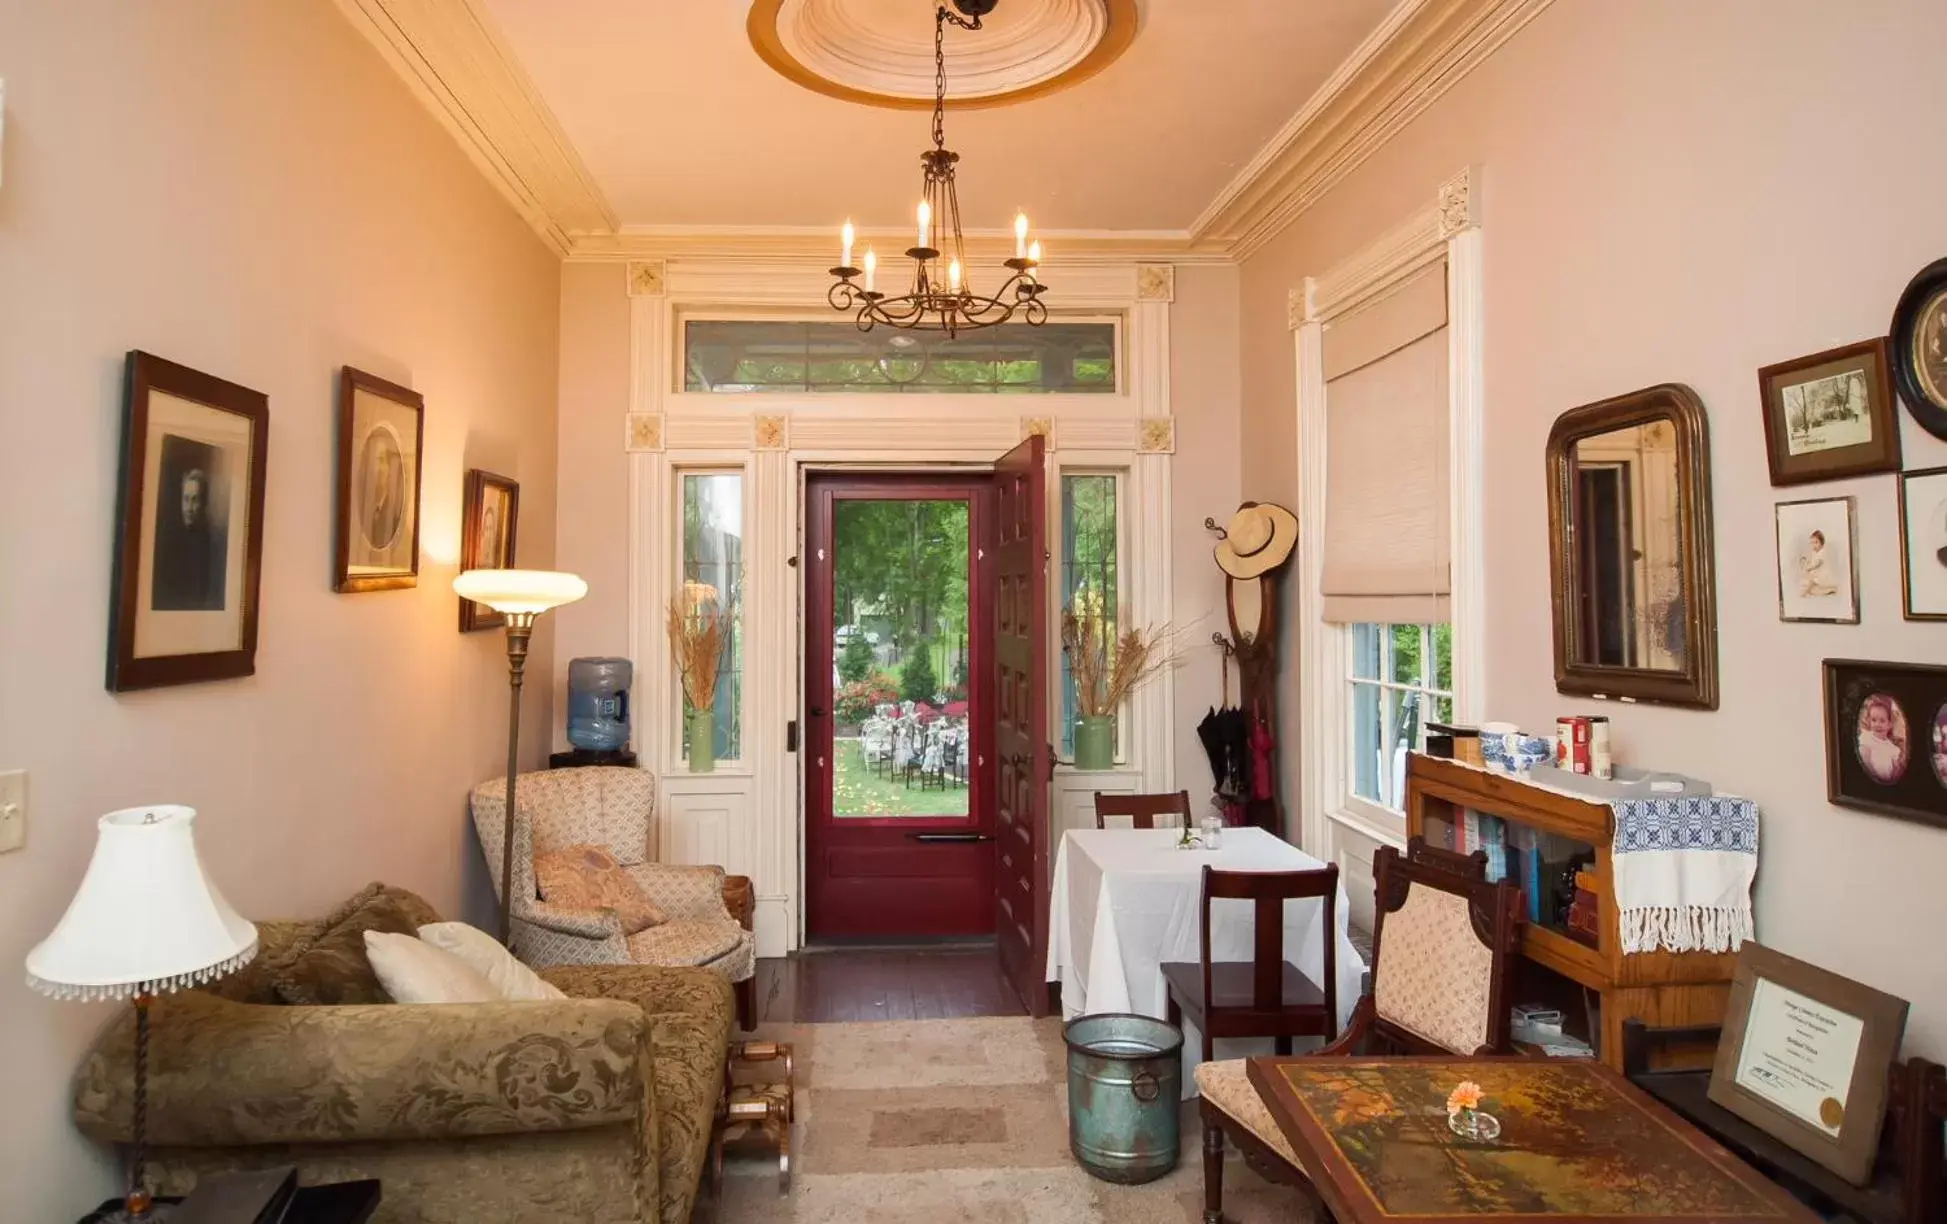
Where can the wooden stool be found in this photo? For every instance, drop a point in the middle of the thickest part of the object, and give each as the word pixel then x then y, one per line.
pixel 749 1109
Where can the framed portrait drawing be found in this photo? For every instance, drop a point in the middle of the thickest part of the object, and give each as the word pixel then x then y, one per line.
pixel 1919 344
pixel 1816 544
pixel 1830 415
pixel 491 514
pixel 1804 1058
pixel 189 527
pixel 380 428
pixel 1923 543
pixel 1886 738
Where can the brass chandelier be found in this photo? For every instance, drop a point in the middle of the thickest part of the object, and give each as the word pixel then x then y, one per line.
pixel 941 299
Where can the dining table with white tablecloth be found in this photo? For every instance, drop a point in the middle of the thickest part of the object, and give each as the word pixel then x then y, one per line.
pixel 1126 901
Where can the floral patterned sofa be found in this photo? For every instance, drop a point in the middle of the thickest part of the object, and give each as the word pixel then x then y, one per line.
pixel 595 1109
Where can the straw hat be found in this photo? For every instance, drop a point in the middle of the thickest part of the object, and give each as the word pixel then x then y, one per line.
pixel 1259 539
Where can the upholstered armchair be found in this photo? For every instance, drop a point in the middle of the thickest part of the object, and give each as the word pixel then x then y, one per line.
pixel 1444 943
pixel 709 913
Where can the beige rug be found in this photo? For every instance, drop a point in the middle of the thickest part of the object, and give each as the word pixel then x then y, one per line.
pixel 938 1121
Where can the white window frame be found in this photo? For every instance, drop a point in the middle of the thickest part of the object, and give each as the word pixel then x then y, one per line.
pixel 1059 670
pixel 679 472
pixel 1448 228
pixel 1427 687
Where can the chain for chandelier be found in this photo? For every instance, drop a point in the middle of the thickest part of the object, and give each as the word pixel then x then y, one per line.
pixel 939 299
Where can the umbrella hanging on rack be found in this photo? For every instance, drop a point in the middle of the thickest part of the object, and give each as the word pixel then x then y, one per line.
pixel 1225 733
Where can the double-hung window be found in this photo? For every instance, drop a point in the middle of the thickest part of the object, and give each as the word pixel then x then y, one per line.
pixel 1401 679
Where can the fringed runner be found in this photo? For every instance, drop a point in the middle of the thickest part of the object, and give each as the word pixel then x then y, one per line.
pixel 1683 870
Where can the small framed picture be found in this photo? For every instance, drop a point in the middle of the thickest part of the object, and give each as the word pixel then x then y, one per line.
pixel 1804 1058
pixel 493 505
pixel 1886 738
pixel 1923 543
pixel 189 527
pixel 1816 579
pixel 1920 347
pixel 381 426
pixel 1830 415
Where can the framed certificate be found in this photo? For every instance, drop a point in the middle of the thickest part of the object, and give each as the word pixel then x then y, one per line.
pixel 1804 1058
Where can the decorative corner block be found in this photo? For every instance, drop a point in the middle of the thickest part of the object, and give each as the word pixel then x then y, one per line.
pixel 646 278
pixel 645 431
pixel 1294 308
pixel 1038 426
pixel 1155 282
pixel 1156 436
pixel 1458 210
pixel 772 433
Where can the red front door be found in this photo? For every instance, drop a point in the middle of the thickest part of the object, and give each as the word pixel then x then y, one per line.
pixel 1022 750
pixel 899 815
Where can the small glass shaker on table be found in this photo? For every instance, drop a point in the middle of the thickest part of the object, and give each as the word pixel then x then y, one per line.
pixel 1213 827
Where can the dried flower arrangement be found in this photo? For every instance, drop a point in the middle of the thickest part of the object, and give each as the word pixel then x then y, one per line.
pixel 1107 667
pixel 699 634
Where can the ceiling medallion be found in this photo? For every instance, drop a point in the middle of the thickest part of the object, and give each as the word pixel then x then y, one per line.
pixel 865 51
pixel 944 303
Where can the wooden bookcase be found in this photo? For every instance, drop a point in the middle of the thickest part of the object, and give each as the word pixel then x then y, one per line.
pixel 1662 989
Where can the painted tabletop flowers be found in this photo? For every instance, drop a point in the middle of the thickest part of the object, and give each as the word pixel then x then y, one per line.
pixel 1464 1116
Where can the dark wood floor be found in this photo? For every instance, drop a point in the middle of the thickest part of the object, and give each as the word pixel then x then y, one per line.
pixel 820 986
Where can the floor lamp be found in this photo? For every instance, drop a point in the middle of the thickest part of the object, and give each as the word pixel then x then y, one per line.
pixel 520 596
pixel 145 921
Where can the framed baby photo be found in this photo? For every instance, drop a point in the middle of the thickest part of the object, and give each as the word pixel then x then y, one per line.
pixel 1816 578
pixel 1830 415
pixel 189 527
pixel 492 511
pixel 1886 738
pixel 1923 543
pixel 381 426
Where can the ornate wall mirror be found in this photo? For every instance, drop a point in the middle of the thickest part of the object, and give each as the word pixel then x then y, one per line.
pixel 1630 549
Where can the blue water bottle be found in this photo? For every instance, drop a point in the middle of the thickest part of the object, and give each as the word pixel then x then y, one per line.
pixel 598 703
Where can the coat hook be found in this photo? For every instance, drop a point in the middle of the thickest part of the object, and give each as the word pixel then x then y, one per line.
pixel 1210 524
pixel 1222 643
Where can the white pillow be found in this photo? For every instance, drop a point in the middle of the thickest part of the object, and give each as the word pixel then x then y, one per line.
pixel 413 971
pixel 483 954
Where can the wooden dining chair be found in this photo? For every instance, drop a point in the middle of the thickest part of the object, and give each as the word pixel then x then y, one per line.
pixel 1143 809
pixel 1266 996
pixel 1444 947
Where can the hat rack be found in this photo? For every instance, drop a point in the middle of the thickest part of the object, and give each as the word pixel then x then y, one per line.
pixel 1255 649
pixel 1210 524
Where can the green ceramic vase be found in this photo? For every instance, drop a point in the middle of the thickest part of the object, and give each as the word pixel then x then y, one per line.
pixel 1095 742
pixel 703 741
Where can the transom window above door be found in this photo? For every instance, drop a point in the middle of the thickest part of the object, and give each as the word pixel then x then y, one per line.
pixel 745 356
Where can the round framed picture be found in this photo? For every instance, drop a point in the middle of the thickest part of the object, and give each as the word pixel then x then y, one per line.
pixel 1920 348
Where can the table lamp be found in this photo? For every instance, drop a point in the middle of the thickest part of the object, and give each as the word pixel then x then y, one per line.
pixel 145 920
pixel 520 596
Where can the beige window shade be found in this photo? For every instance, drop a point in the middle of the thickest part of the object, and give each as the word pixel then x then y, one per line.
pixel 1387 324
pixel 1387 508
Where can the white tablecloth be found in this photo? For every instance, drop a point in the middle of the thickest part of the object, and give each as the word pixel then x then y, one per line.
pixel 1127 900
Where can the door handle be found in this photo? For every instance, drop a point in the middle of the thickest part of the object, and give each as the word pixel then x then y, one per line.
pixel 816 711
pixel 951 837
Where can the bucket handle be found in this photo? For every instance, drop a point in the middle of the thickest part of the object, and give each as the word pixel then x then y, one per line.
pixel 1143 1084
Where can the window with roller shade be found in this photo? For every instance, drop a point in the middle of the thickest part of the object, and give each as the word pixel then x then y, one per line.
pixel 1387 571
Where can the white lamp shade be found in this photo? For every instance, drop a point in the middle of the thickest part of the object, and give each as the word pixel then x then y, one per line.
pixel 145 919
pixel 517 591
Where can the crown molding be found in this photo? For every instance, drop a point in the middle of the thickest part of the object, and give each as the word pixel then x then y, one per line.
pixel 453 58
pixel 769 244
pixel 1422 49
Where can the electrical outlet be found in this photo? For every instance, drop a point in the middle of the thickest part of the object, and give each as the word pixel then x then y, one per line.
pixel 13 810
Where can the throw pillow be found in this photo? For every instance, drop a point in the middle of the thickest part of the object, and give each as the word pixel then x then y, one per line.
pixel 590 878
pixel 414 971
pixel 326 965
pixel 483 954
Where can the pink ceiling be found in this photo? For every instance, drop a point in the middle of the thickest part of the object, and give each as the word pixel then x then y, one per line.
pixel 681 123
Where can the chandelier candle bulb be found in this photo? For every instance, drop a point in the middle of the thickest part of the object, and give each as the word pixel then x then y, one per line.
pixel 925 221
pixel 1034 261
pixel 871 268
pixel 953 276
pixel 1020 235
pixel 845 239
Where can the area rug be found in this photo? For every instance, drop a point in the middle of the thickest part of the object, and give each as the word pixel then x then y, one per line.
pixel 932 1121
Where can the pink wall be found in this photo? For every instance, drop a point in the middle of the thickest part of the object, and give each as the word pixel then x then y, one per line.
pixel 245 188
pixel 1686 192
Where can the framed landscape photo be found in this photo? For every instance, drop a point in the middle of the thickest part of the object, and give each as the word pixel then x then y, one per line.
pixel 1886 738
pixel 189 527
pixel 1816 545
pixel 1830 415
pixel 1804 1058
pixel 1920 347
pixel 381 426
pixel 1923 543
pixel 492 512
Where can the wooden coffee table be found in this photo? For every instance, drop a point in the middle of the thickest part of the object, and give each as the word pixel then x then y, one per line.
pixel 1578 1144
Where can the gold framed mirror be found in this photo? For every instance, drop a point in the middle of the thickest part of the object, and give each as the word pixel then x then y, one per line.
pixel 1630 554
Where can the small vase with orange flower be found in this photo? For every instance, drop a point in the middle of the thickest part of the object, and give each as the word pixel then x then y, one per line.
pixel 1465 1116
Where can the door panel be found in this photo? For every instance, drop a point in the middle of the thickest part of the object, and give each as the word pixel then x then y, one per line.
pixel 892 851
pixel 1022 751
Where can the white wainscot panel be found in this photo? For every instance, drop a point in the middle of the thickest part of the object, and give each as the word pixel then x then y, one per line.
pixel 1074 797
pixel 707 821
pixel 1354 849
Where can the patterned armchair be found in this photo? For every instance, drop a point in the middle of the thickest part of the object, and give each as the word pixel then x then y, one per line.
pixel 709 922
pixel 1443 947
